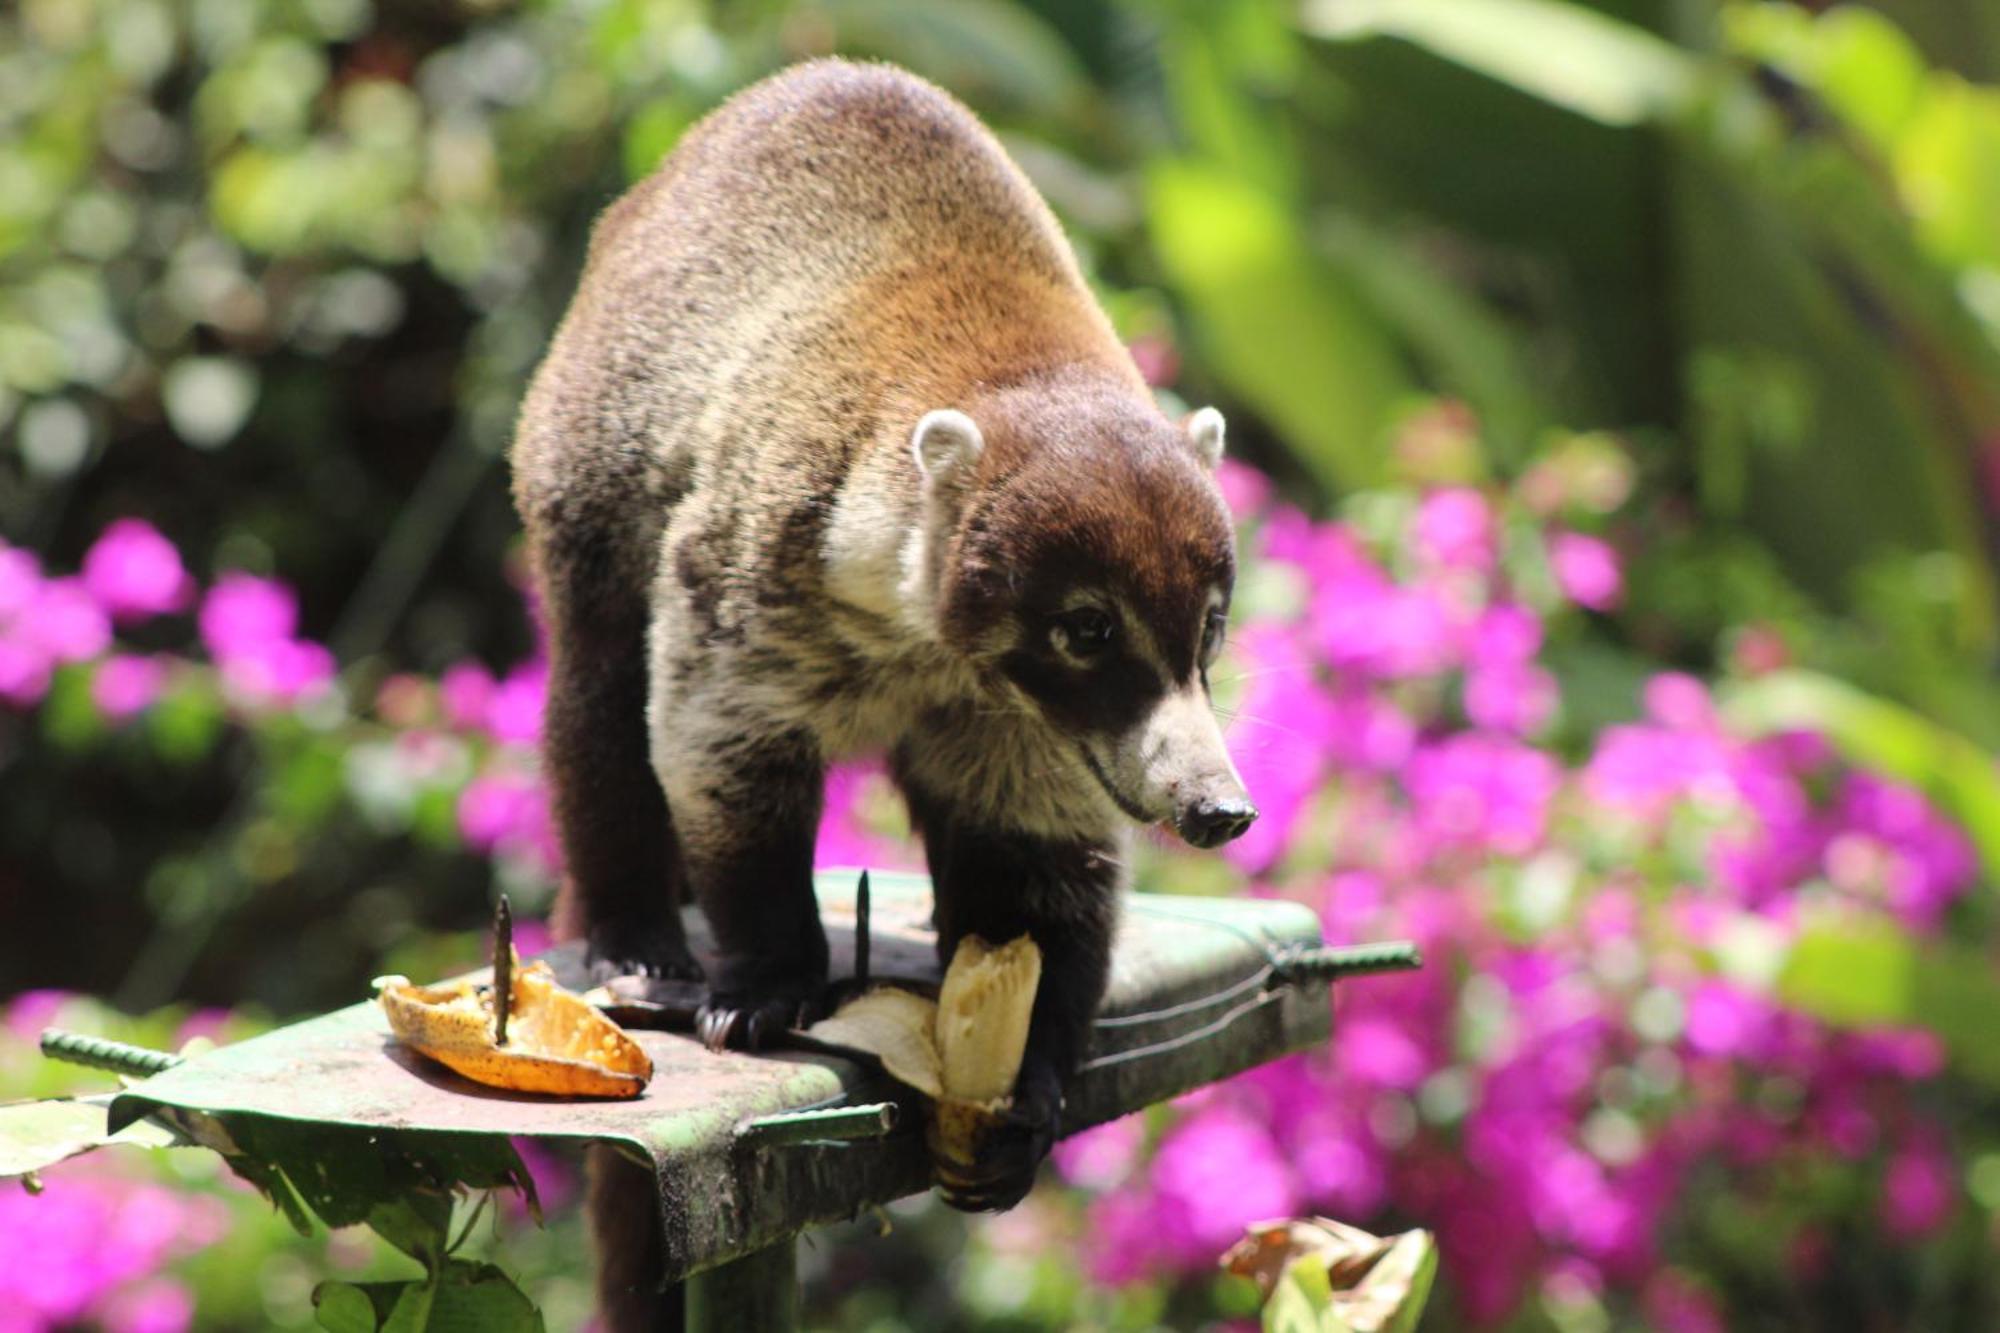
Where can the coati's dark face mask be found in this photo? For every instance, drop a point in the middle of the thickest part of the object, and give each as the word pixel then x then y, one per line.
pixel 1100 592
pixel 1131 689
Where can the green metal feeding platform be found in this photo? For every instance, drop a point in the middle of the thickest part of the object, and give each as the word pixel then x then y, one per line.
pixel 748 1151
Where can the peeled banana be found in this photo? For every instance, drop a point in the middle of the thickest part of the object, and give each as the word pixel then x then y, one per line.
pixel 964 1050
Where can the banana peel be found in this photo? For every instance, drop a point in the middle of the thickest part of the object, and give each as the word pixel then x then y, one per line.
pixel 963 1050
pixel 556 1043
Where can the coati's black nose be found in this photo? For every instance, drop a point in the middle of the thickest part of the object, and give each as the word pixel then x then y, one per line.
pixel 1212 823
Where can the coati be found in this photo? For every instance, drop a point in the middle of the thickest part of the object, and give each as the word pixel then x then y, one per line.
pixel 835 452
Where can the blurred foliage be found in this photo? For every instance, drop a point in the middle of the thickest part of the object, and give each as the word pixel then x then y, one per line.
pixel 273 274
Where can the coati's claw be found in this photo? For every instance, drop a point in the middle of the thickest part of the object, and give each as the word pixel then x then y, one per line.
pixel 657 953
pixel 751 1025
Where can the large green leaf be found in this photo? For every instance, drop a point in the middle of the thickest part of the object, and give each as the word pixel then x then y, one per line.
pixel 463 1298
pixel 1565 54
pixel 34 1135
pixel 1872 974
pixel 1464 349
pixel 1284 328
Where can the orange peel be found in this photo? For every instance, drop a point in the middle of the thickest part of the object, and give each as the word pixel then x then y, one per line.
pixel 556 1043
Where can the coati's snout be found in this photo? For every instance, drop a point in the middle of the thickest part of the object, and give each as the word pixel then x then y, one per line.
pixel 1173 769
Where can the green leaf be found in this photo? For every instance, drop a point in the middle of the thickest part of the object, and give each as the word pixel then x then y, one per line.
pixel 1286 330
pixel 418 1223
pixel 343 1307
pixel 1303 1300
pixel 969 46
pixel 1465 349
pixel 186 722
pixel 1564 54
pixel 34 1135
pixel 1869 974
pixel 460 1298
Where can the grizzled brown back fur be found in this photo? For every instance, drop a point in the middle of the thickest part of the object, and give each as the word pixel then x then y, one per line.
pixel 752 566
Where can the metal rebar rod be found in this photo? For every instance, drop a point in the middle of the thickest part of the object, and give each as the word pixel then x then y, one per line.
pixel 1331 963
pixel 503 968
pixel 861 928
pixel 832 1123
pixel 119 1057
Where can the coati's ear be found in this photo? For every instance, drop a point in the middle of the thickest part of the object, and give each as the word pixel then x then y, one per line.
pixel 1204 430
pixel 945 443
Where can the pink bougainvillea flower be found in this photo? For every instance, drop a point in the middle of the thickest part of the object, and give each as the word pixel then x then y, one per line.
pixel 243 613
pixel 1919 1188
pixel 1244 489
pixel 1586 570
pixel 134 571
pixel 466 692
pixel 1101 1157
pixel 1517 700
pixel 1215 1173
pixel 1454 530
pixel 156 1305
pixel 514 711
pixel 506 812
pixel 1483 790
pixel 65 621
pixel 126 685
pixel 25 672
pixel 277 670
pixel 20 579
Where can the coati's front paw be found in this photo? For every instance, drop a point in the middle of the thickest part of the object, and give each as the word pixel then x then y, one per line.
pixel 653 951
pixel 1009 1154
pixel 752 1020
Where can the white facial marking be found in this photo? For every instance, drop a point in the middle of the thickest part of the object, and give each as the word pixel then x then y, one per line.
pixel 1173 758
pixel 1205 430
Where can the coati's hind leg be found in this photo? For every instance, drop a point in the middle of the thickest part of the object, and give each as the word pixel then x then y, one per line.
pixel 999 884
pixel 623 882
pixel 746 800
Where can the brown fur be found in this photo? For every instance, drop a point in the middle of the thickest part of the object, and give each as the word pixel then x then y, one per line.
pixel 748 574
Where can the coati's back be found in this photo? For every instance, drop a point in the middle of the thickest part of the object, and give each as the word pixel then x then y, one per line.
pixel 840 246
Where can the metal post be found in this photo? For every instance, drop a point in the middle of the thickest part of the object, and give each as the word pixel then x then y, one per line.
pixel 758 1293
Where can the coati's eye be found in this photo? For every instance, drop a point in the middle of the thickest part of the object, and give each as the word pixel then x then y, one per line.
pixel 1084 632
pixel 1212 636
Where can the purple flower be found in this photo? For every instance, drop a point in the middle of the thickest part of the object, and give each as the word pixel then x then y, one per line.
pixel 1369 626
pixel 1482 790
pixel 503 812
pixel 277 671
pixel 126 685
pixel 1725 1020
pixel 514 712
pixel 1216 1173
pixel 65 622
pixel 466 690
pixel 1506 634
pixel 1101 1157
pixel 134 572
pixel 1381 1052
pixel 157 1305
pixel 20 580
pixel 25 671
pixel 1244 489
pixel 243 613
pixel 1919 1188
pixel 1517 700
pixel 1454 530
pixel 1586 570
